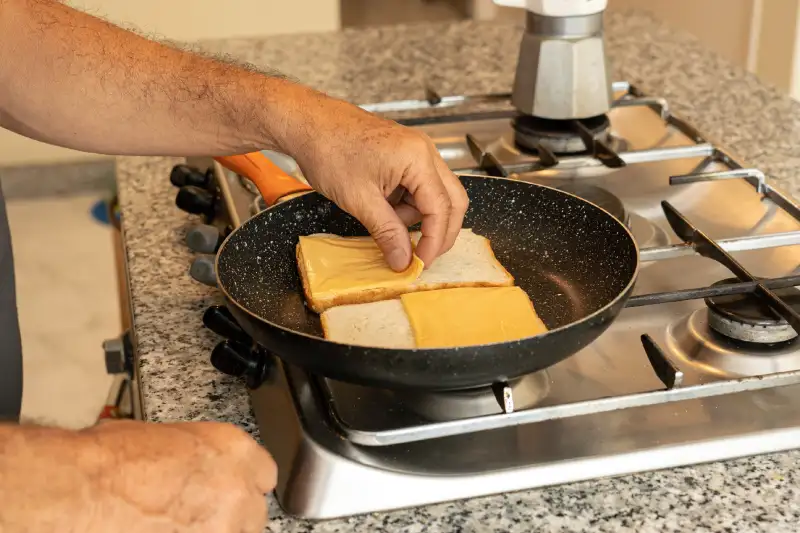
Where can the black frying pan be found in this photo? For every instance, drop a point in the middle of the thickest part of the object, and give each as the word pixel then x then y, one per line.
pixel 576 262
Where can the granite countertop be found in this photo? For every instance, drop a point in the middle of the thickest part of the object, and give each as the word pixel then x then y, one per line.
pixel 757 123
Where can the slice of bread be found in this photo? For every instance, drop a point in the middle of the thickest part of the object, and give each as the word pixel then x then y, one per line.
pixel 377 324
pixel 339 271
pixel 469 263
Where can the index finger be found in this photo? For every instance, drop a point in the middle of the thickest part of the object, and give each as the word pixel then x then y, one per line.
pixel 459 201
pixel 433 202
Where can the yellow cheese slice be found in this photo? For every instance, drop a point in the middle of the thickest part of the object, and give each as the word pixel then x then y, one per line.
pixel 337 264
pixel 470 316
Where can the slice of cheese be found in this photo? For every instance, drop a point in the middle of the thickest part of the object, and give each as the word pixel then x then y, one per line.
pixel 470 316
pixel 335 264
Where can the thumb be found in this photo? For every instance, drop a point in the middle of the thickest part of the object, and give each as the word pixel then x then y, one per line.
pixel 389 232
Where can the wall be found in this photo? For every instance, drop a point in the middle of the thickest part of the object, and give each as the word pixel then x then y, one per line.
pixel 723 25
pixel 775 57
pixel 184 20
pixel 760 35
pixel 190 20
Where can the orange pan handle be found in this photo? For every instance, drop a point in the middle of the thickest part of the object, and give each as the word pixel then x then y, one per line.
pixel 271 181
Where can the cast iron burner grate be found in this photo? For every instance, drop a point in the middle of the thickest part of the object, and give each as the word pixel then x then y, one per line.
pixel 598 147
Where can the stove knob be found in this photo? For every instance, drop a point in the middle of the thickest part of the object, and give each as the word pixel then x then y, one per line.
pixel 183 175
pixel 231 358
pixel 202 270
pixel 218 319
pixel 240 360
pixel 205 239
pixel 197 201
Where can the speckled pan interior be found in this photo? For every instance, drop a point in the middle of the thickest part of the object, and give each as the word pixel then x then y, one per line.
pixel 571 257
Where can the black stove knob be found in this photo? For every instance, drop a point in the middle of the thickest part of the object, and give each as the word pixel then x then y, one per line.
pixel 202 270
pixel 241 361
pixel 218 319
pixel 183 175
pixel 204 238
pixel 231 358
pixel 197 201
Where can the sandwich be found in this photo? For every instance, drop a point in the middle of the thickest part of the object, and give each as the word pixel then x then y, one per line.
pixel 446 318
pixel 338 270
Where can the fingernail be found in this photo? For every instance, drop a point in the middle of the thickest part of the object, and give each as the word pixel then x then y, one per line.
pixel 398 259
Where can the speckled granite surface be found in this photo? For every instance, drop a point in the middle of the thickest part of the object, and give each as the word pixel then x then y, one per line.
pixel 755 122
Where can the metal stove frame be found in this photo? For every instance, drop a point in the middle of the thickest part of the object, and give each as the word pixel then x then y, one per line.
pixel 694 241
pixel 297 413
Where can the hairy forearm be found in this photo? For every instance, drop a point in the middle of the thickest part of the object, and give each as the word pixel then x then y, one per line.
pixel 42 470
pixel 130 476
pixel 74 80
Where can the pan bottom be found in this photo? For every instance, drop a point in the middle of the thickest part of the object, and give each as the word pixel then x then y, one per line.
pixel 439 406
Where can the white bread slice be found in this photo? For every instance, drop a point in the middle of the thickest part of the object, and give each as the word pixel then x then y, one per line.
pixel 377 324
pixel 469 263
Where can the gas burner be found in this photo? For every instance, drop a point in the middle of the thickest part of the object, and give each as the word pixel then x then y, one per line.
pixel 599 197
pixel 504 148
pixel 437 406
pixel 746 318
pixel 693 341
pixel 646 234
pixel 558 136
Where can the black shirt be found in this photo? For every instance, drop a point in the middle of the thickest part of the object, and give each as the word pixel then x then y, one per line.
pixel 10 345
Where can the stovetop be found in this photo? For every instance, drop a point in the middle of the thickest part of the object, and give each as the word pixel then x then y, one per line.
pixel 659 388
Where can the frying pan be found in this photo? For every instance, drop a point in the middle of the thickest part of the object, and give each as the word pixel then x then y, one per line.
pixel 576 261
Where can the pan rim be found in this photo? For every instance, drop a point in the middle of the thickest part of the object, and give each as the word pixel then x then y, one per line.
pixel 623 294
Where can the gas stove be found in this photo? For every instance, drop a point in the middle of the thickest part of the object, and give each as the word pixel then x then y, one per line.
pixel 703 364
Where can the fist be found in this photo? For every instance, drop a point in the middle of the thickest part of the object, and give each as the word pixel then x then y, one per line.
pixel 134 477
pixel 198 477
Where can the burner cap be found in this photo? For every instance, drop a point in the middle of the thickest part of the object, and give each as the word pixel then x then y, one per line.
pixel 559 136
pixel 746 318
pixel 599 197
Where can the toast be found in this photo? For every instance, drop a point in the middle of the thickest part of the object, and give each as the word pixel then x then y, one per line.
pixel 469 263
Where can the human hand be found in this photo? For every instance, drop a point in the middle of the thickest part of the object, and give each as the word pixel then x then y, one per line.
pixel 153 478
pixel 384 174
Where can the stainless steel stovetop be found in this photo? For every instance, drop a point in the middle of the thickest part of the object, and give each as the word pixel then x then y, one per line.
pixel 614 408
